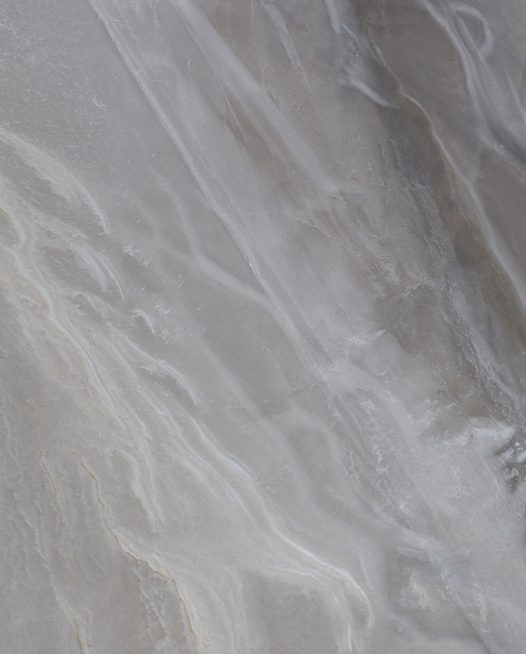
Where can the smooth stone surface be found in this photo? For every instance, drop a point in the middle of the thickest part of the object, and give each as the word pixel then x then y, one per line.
pixel 262 336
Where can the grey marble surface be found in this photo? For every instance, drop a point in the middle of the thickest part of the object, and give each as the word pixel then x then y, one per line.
pixel 262 330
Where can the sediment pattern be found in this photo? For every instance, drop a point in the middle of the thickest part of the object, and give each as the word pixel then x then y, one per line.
pixel 262 336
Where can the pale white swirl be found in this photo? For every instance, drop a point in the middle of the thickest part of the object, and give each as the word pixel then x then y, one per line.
pixel 262 327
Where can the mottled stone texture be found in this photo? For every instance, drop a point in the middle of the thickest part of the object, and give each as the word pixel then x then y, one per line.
pixel 262 335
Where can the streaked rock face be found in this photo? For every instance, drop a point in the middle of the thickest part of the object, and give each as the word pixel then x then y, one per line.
pixel 262 336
